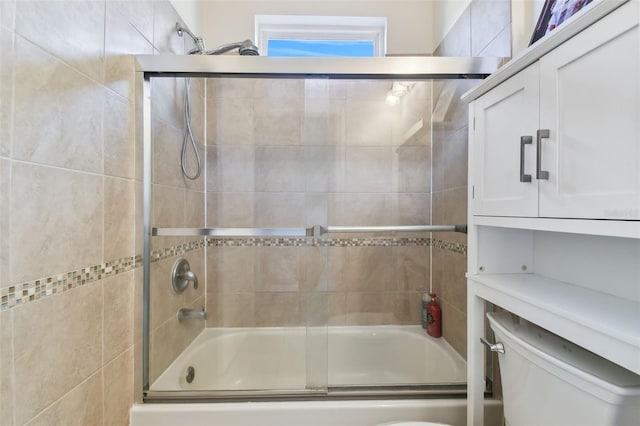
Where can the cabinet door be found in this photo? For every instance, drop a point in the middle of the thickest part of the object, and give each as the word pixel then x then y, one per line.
pixel 502 117
pixel 589 101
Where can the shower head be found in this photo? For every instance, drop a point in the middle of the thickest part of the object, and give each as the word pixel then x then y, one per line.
pixel 245 48
pixel 200 47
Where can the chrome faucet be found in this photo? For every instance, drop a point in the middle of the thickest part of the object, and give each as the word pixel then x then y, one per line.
pixel 186 313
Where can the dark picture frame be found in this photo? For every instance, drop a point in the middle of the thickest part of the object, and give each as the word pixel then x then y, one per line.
pixel 554 13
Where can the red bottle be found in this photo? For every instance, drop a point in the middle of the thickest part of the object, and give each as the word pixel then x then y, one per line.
pixel 434 317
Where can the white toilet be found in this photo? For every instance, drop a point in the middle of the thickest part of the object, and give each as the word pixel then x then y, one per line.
pixel 549 381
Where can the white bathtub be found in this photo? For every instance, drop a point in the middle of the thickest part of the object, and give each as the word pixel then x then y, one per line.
pixel 311 413
pixel 294 357
pixel 277 358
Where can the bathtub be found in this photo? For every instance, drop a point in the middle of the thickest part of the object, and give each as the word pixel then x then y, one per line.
pixel 277 358
pixel 298 357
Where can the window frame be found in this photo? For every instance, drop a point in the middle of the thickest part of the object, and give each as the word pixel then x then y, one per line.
pixel 339 28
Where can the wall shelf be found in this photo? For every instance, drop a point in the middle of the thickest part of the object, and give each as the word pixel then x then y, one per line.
pixel 611 228
pixel 600 322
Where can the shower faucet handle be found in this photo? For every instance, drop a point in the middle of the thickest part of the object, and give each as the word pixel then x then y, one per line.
pixel 181 275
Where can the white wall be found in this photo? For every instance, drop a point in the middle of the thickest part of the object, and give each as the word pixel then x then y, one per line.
pixel 189 11
pixel 524 16
pixel 409 31
pixel 445 14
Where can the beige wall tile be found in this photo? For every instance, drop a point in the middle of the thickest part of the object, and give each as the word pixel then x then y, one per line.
pixel 438 153
pixel 289 90
pixel 317 166
pixel 6 369
pixel 277 122
pixel 6 89
pixel 234 122
pixel 119 218
pixel 77 216
pixel 360 209
pixel 277 309
pixel 230 209
pixel 167 101
pixel 360 269
pixel 74 31
pixel 370 308
pixel 118 131
pixel 369 123
pixel 235 169
pixel 168 206
pixel 437 270
pixel 280 269
pixel 457 42
pixel 367 90
pixel 279 169
pixel 231 88
pixel 58 111
pixel 316 269
pixel 315 120
pixel 81 406
pixel 454 328
pixel 455 158
pixel 411 268
pixel 279 209
pixel 7 13
pixel 5 208
pixel 230 310
pixel 413 165
pixel 164 302
pixel 317 209
pixel 488 19
pixel 164 28
pixel 230 269
pixel 455 282
pixel 337 134
pixel 171 338
pixel 412 209
pixel 118 389
pixel 167 144
pixel 194 210
pixel 126 26
pixel 63 354
pixel 367 169
pixel 118 315
pixel 407 308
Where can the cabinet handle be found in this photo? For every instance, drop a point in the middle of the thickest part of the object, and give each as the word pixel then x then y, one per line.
pixel 524 140
pixel 541 134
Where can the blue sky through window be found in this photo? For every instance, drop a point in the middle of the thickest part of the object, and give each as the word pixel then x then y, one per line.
pixel 298 48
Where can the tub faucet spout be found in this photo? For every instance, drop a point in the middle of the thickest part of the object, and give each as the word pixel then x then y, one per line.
pixel 185 313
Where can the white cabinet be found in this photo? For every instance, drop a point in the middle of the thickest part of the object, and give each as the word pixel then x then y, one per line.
pixel 554 190
pixel 571 121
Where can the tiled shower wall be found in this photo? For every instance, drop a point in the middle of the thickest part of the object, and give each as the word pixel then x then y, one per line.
pixel 69 181
pixel 298 153
pixel 484 29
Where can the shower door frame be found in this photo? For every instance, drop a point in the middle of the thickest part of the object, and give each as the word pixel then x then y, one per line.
pixel 201 66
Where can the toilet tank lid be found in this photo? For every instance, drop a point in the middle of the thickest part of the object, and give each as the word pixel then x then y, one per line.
pixel 563 351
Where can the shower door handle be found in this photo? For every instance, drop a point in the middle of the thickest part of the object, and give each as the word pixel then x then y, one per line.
pixel 524 140
pixel 497 347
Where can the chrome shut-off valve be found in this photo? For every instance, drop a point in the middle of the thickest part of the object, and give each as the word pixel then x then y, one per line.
pixel 181 275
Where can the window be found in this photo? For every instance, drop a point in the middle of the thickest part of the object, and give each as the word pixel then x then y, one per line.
pixel 283 35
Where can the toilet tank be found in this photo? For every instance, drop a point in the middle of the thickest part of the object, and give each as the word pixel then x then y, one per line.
pixel 549 381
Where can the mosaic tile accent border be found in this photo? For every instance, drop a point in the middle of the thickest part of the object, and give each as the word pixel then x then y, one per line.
pixel 317 242
pixel 30 291
pixel 20 294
